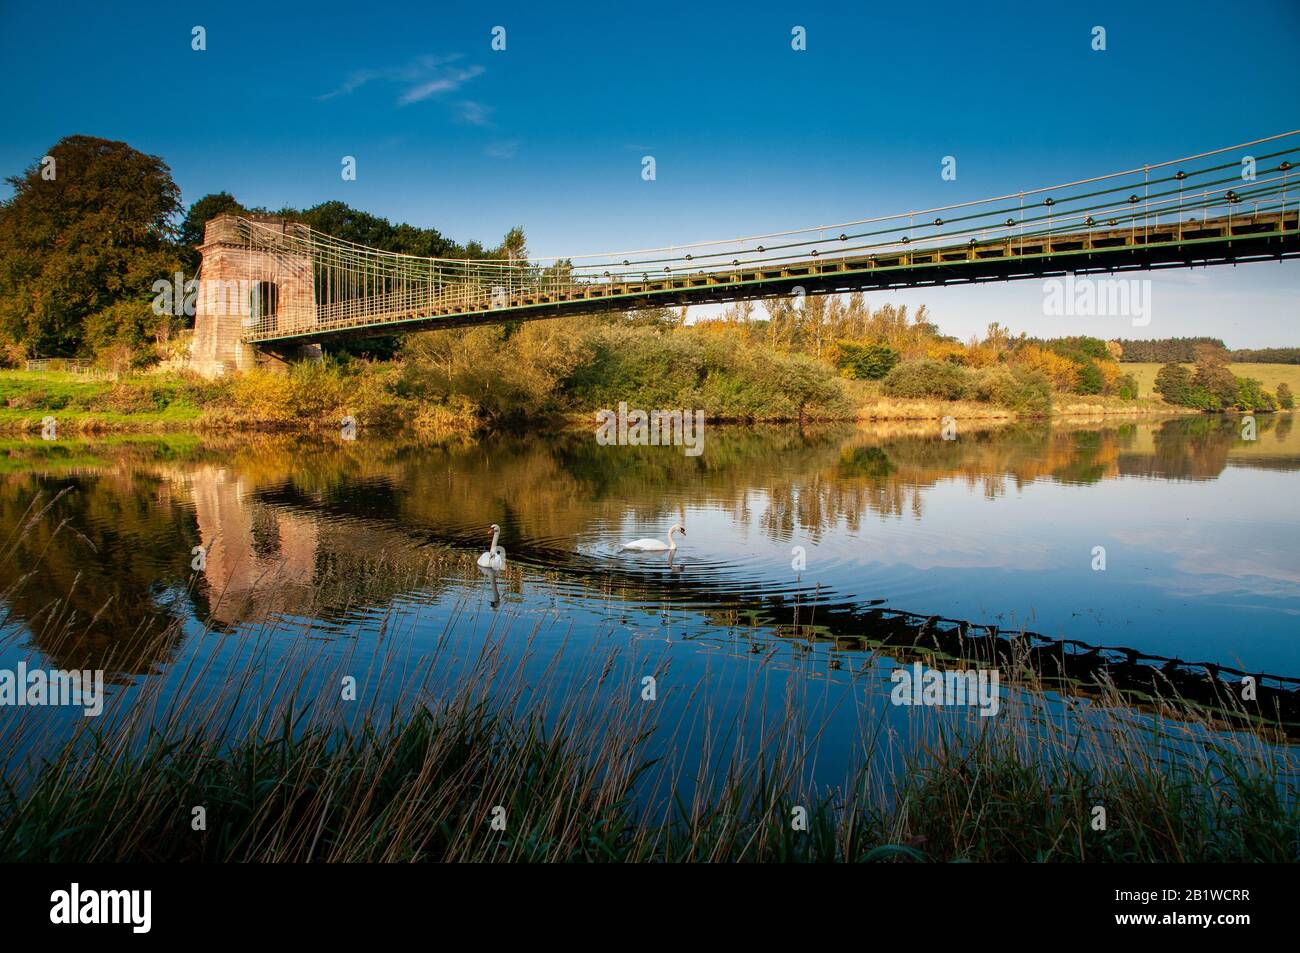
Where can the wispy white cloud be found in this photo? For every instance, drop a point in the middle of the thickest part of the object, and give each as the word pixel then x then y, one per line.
pixel 450 81
pixel 423 77
pixel 474 113
pixel 502 150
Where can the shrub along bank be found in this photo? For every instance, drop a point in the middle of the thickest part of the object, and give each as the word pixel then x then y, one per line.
pixel 513 375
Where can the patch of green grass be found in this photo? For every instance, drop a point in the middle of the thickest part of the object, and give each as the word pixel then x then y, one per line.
pixel 52 390
pixel 92 420
pixel 80 403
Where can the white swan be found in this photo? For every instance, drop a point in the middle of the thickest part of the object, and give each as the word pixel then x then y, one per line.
pixel 657 545
pixel 495 557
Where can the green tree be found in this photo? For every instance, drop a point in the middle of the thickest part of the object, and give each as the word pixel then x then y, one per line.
pixel 804 381
pixel 83 233
pixel 1267 355
pixel 1080 348
pixel 867 361
pixel 928 378
pixel 1252 396
pixel 1174 384
pixel 342 221
pixel 515 245
pixel 1168 350
pixel 1285 399
pixel 1088 379
pixel 1128 387
pixel 1019 388
pixel 1213 378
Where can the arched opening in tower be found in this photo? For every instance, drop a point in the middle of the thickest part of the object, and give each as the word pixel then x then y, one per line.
pixel 264 300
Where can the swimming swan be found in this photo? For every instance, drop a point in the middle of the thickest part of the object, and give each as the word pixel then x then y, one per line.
pixel 495 557
pixel 657 545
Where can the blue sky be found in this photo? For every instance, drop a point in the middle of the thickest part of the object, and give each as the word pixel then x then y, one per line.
pixel 748 135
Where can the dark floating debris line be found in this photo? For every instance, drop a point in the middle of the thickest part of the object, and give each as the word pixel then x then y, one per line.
pixel 1090 666
pixel 1073 661
pixel 1087 649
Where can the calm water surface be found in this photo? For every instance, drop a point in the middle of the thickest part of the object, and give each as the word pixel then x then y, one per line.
pixel 347 543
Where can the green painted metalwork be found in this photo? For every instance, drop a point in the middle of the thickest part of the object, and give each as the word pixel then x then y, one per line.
pixel 1129 220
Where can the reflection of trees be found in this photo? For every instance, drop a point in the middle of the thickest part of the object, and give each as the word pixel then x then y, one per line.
pixel 555 488
pixel 317 527
pixel 102 578
pixel 1190 449
pixel 888 476
pixel 103 567
pixel 1199 447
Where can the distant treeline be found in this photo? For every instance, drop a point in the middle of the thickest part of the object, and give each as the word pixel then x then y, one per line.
pixel 1183 351
pixel 1267 355
pixel 1167 350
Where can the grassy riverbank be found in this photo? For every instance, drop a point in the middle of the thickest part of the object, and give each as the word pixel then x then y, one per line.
pixel 872 403
pixel 428 787
pixel 310 397
pixel 80 403
pixel 380 396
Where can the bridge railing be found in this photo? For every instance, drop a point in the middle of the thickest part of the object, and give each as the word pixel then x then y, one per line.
pixel 357 286
pixel 1139 202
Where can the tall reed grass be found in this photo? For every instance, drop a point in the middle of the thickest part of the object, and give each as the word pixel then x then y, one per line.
pixel 554 744
pixel 569 772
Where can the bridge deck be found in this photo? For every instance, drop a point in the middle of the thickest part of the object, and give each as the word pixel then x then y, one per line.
pixel 1221 240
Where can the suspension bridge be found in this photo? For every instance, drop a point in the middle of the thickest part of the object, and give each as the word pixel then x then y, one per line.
pixel 275 286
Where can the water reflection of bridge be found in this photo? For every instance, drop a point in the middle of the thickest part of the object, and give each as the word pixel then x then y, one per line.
pixel 854 629
pixel 289 527
pixel 257 560
pixel 768 615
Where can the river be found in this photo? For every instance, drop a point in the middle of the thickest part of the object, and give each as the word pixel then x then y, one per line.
pixel 157 557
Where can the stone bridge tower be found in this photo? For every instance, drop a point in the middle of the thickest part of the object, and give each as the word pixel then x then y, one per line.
pixel 248 279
